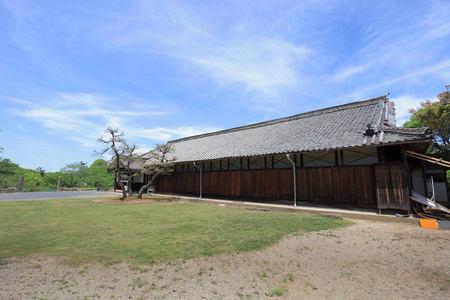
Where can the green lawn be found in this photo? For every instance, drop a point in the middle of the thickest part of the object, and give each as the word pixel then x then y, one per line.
pixel 83 231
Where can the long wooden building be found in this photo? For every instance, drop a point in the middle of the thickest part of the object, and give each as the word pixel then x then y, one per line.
pixel 351 154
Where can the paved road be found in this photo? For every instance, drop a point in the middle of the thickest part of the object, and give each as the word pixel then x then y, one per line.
pixel 52 195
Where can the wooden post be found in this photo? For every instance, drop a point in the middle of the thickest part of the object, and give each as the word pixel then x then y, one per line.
pixel 336 158
pixel 408 175
pixel 58 188
pixel 21 183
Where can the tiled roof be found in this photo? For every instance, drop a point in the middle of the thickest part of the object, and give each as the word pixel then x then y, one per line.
pixel 335 127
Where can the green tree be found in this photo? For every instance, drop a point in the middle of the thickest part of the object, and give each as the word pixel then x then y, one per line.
pixel 71 172
pixel 10 176
pixel 98 174
pixel 8 173
pixel 41 171
pixel 32 179
pixel 51 179
pixel 435 115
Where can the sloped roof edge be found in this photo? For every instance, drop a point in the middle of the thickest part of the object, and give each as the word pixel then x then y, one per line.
pixel 290 118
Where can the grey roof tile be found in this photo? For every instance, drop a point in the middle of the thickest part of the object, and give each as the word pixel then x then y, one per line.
pixel 336 127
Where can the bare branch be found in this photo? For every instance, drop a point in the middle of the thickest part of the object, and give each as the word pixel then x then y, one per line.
pixel 159 163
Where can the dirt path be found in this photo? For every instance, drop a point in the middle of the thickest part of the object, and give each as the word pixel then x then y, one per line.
pixel 369 260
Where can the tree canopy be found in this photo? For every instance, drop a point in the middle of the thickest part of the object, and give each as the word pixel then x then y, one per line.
pixel 36 180
pixel 435 115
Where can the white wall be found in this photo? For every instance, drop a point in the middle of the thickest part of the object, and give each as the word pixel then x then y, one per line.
pixel 361 156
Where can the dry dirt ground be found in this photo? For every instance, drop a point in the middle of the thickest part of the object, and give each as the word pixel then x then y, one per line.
pixel 369 260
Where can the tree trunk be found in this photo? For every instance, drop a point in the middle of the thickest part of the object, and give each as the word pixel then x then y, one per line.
pixel 130 192
pixel 124 193
pixel 148 184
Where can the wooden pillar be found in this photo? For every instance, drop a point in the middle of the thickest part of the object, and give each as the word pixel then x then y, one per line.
pixel 408 174
pixel 380 154
pixel 341 152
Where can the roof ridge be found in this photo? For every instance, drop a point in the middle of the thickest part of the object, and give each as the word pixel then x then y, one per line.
pixel 286 119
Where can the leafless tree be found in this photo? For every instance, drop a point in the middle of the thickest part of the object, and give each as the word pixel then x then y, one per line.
pixel 159 162
pixel 123 156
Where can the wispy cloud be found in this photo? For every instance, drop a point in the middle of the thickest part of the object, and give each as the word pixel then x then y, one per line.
pixel 232 57
pixel 350 71
pixel 83 117
pixel 396 51
pixel 264 65
pixel 165 134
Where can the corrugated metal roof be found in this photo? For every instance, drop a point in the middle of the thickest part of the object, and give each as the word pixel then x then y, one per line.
pixel 336 127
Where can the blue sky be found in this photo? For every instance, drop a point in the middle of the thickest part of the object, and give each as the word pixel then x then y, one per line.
pixel 161 70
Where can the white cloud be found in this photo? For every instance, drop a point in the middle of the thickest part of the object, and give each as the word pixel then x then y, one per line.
pixel 165 134
pixel 402 106
pixel 265 65
pixel 236 57
pixel 350 71
pixel 83 117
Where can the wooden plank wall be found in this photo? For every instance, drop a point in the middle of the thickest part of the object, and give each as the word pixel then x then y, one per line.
pixel 334 185
pixel 392 186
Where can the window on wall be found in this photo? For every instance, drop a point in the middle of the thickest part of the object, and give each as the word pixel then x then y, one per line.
pixel 319 159
pixel 235 163
pixel 281 161
pixel 224 164
pixel 191 167
pixel 256 163
pixel 216 165
pixel 206 166
pixel 178 168
pixel 360 156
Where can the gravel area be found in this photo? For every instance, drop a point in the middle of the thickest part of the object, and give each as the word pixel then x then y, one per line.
pixel 369 260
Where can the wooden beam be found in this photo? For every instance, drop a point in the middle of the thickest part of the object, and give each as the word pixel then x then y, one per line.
pixel 438 161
